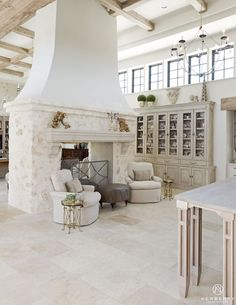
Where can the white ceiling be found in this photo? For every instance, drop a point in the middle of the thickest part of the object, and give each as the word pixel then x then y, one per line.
pixel 152 10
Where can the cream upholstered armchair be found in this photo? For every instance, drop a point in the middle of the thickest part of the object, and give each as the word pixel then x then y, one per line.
pixel 144 186
pixel 90 209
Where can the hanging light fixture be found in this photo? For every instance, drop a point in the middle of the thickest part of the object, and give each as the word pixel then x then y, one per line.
pixel 179 51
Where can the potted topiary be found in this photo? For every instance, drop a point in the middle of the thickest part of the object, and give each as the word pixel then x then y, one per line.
pixel 141 99
pixel 151 99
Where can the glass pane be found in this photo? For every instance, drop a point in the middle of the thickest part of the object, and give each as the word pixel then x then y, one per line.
pixel 136 89
pixel 173 82
pixel 154 86
pixel 181 72
pixel 173 65
pixel 229 63
pixel 153 69
pixel 203 59
pixel 154 78
pixel 194 79
pixel 219 56
pixel 195 70
pixel 181 81
pixel 142 72
pixel 160 68
pixel 229 73
pixel 174 74
pixel 229 53
pixel 136 81
pixel 194 61
pixel 219 74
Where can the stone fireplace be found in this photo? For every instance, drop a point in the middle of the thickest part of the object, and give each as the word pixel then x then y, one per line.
pixel 74 71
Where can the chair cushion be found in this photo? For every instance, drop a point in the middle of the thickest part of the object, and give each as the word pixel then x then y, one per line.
pixel 139 166
pixel 74 186
pixel 142 175
pixel 145 185
pixel 59 178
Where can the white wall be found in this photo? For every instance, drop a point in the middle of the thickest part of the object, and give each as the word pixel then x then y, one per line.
pixel 216 90
pixel 8 92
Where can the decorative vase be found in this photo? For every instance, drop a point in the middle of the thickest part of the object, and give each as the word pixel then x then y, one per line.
pixel 141 103
pixel 173 94
pixel 150 104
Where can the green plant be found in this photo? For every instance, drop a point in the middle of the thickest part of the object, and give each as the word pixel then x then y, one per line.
pixel 70 197
pixel 151 98
pixel 141 98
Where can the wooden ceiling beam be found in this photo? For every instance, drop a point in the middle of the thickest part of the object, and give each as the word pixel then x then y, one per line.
pixel 199 5
pixel 131 15
pixel 7 62
pixel 15 12
pixel 12 72
pixel 14 48
pixel 132 4
pixel 24 32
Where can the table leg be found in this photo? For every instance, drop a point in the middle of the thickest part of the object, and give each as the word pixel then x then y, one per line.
pixel 183 247
pixel 229 258
pixel 196 245
pixel 126 202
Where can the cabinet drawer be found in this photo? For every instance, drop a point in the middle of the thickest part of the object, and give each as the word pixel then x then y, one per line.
pixel 232 170
pixel 168 161
pixel 193 163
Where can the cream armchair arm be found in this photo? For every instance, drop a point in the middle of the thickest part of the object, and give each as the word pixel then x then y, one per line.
pixel 157 179
pixel 128 180
pixel 88 188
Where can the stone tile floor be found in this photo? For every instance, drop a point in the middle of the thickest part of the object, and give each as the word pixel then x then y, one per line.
pixel 128 257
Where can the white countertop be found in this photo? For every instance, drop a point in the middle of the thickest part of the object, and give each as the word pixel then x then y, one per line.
pixel 219 196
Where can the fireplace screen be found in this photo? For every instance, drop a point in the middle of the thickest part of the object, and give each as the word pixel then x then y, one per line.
pixel 88 172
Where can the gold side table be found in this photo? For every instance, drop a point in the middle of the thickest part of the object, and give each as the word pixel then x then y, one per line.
pixel 168 188
pixel 71 214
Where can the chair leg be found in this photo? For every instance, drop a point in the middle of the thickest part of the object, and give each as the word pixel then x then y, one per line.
pixel 112 205
pixel 101 204
pixel 126 202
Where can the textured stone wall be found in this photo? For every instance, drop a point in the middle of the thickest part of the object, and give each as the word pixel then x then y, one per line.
pixel 34 156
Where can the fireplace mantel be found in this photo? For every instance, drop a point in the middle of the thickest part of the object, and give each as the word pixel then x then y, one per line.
pixel 75 135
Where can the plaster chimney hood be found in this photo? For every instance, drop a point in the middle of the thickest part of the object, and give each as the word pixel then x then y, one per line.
pixel 75 58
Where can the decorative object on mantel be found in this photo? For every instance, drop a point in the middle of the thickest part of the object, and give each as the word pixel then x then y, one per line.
pixel 151 100
pixel 141 99
pixel 58 119
pixel 204 91
pixel 194 98
pixel 173 94
pixel 114 120
pixel 124 127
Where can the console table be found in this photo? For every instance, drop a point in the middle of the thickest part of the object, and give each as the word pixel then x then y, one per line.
pixel 218 197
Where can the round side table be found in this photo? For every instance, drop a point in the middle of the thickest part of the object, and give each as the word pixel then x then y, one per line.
pixel 168 188
pixel 71 214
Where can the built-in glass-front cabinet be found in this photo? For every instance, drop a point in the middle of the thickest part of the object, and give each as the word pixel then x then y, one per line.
pixel 178 140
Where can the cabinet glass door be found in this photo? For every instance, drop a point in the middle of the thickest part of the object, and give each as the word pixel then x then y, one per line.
pixel 149 134
pixel 200 135
pixel 161 134
pixel 140 136
pixel 173 134
pixel 187 140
